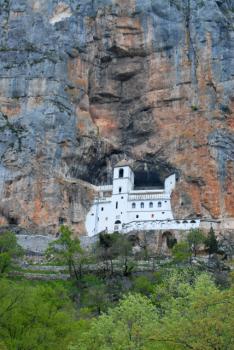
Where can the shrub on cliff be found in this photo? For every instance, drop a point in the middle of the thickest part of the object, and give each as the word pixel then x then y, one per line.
pixel 195 238
pixel 181 252
pixel 9 251
pixel 115 246
pixel 67 250
pixel 211 242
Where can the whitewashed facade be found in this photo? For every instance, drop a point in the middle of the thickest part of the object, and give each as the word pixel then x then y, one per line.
pixel 119 207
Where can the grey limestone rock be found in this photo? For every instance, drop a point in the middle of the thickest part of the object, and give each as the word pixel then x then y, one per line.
pixel 84 83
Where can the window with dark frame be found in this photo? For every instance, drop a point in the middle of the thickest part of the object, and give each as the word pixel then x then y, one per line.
pixel 121 173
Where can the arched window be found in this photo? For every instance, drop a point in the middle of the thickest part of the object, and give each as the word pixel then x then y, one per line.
pixel 121 172
pixel 137 216
pixel 151 205
pixel 120 189
pixel 117 222
pixel 142 205
pixel 133 205
pixel 159 204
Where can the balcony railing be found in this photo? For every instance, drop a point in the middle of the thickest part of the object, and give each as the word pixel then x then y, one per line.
pixel 145 196
pixel 161 224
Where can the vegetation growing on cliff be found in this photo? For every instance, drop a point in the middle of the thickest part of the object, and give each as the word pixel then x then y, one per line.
pixel 9 249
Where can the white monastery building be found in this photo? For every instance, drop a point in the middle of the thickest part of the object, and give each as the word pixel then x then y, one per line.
pixel 119 207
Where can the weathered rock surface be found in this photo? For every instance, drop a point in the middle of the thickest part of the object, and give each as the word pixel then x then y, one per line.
pixel 83 83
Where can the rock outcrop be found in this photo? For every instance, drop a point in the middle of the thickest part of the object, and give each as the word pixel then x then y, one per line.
pixel 85 82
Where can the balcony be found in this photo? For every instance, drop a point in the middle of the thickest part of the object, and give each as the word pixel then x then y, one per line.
pixel 148 196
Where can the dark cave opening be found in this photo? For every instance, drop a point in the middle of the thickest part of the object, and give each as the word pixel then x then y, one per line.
pixel 142 178
pixel 12 221
pixel 149 178
pixel 147 173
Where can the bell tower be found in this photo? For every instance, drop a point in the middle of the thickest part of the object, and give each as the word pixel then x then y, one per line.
pixel 123 178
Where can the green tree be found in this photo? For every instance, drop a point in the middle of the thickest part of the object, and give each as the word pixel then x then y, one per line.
pixel 94 294
pixel 115 246
pixel 190 312
pixel 67 251
pixel 143 285
pixel 35 316
pixel 126 327
pixel 195 238
pixel 181 252
pixel 9 251
pixel 106 249
pixel 199 317
pixel 123 248
pixel 211 242
pixel 168 286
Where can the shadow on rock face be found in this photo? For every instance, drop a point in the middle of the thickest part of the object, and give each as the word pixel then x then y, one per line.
pixel 147 176
pixel 150 174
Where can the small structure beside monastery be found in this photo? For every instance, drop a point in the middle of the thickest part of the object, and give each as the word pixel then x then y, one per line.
pixel 120 207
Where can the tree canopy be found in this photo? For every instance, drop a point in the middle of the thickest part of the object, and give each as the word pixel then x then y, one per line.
pixel 35 316
pixel 194 316
pixel 67 250
pixel 195 238
pixel 9 250
pixel 211 242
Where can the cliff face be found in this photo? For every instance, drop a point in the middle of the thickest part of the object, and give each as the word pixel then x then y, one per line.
pixel 83 83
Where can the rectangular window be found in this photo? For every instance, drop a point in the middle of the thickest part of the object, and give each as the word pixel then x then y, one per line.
pixel 116 205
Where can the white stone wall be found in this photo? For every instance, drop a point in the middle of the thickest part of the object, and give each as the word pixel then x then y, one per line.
pixel 170 183
pixel 141 208
pixel 99 217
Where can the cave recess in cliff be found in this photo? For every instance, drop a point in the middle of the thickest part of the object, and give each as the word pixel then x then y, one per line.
pixel 146 179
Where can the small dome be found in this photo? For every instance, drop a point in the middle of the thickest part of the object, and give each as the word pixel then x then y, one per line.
pixel 123 162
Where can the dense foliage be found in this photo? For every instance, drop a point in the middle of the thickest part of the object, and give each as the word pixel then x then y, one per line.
pixel 35 316
pixel 177 307
pixel 181 314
